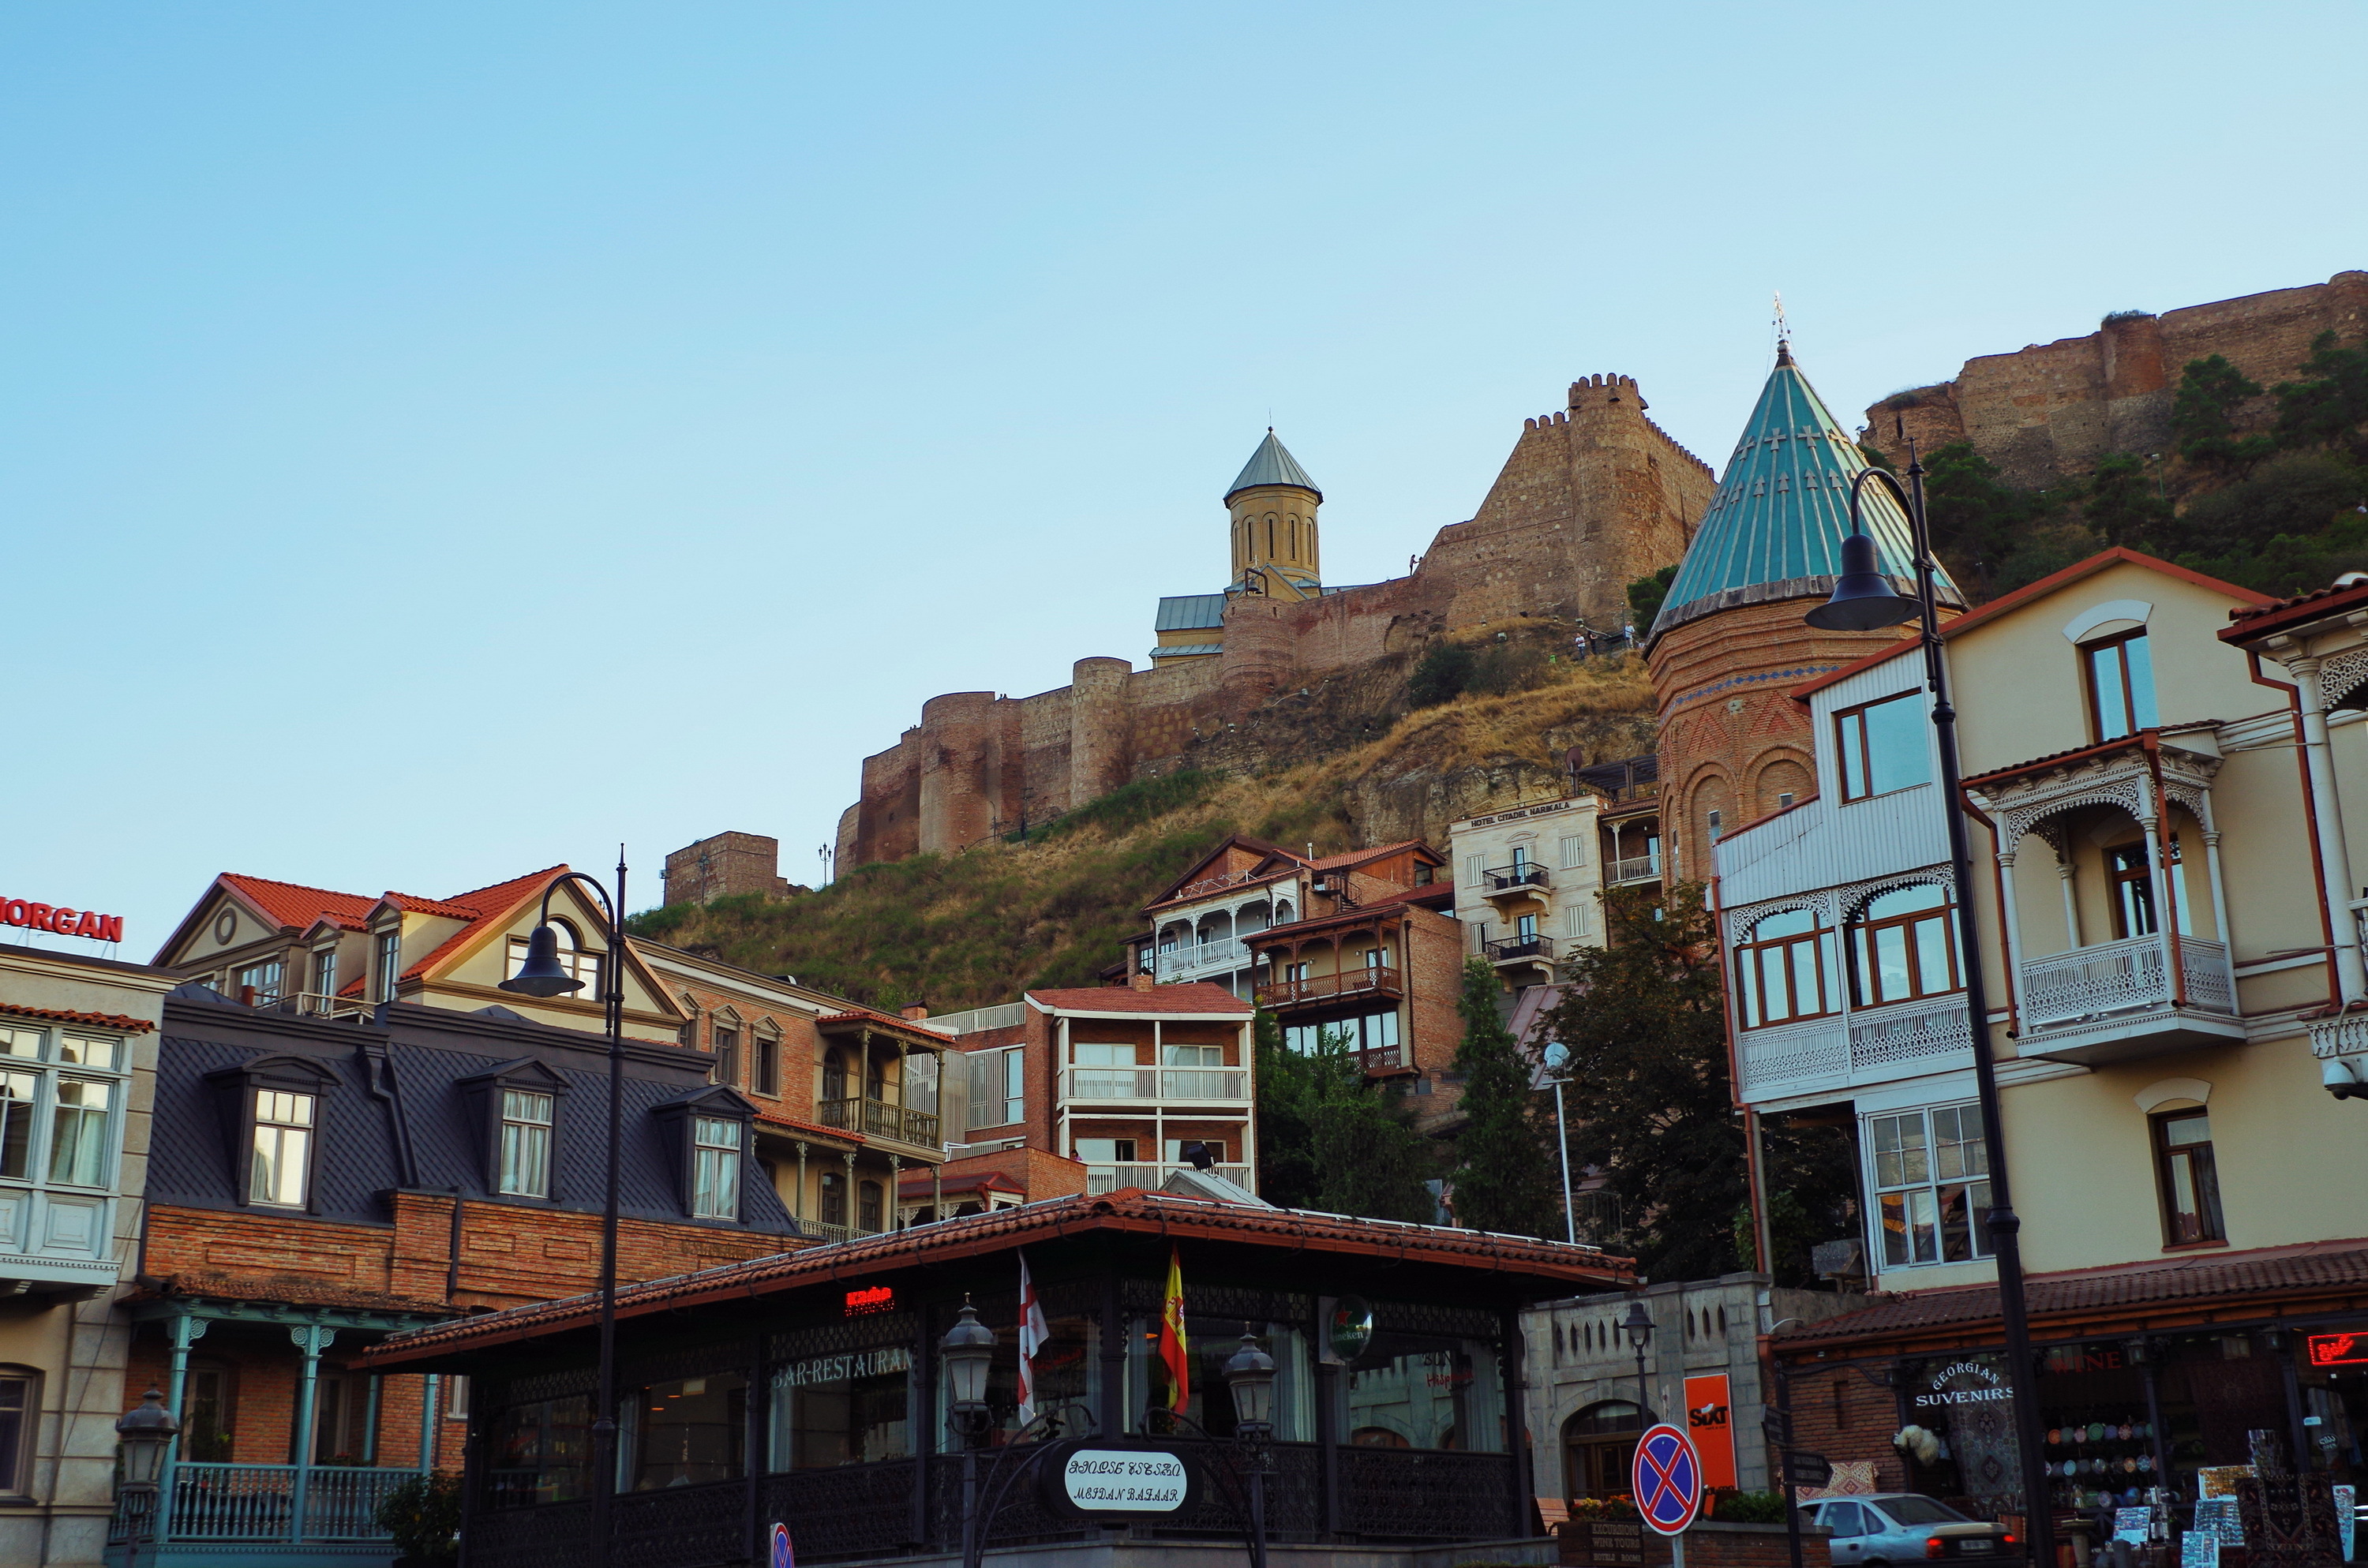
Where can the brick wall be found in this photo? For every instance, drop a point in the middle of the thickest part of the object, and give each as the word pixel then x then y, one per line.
pixel 726 864
pixel 2049 411
pixel 1839 1414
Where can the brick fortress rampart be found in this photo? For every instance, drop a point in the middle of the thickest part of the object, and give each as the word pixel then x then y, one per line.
pixel 2050 410
pixel 1593 497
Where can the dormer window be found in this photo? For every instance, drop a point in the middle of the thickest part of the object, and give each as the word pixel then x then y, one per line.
pixel 515 1108
pixel 526 1143
pixel 279 1173
pixel 389 963
pixel 715 1168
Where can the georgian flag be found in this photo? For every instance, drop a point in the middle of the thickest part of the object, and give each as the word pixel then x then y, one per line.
pixel 1033 1332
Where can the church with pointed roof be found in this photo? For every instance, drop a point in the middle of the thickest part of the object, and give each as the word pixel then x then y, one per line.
pixel 1729 643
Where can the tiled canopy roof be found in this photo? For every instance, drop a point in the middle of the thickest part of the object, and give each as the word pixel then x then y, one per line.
pixel 1129 1211
pixel 1270 464
pixel 2283 1272
pixel 1774 529
pixel 123 1021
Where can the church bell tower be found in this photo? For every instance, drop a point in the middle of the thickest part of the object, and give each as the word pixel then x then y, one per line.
pixel 1272 506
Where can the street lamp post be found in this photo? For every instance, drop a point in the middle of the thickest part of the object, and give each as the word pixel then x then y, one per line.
pixel 1557 1054
pixel 968 1351
pixel 146 1431
pixel 1249 1373
pixel 1638 1324
pixel 543 975
pixel 1863 600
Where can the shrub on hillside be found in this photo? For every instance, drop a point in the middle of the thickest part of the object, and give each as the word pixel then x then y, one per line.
pixel 1441 674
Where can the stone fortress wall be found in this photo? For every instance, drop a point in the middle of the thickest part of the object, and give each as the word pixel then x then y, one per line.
pixel 2049 411
pixel 1593 497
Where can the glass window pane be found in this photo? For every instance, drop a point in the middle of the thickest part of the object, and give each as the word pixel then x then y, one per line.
pixel 2187 1129
pixel 1903 901
pixel 104 1054
pixel 685 1433
pixel 1897 751
pixel 1892 1212
pixel 78 1133
pixel 2139 662
pixel 1924 1225
pixel 1934 972
pixel 1978 1198
pixel 1957 1226
pixel 829 1411
pixel 1914 1157
pixel 20 1042
pixel 1851 737
pixel 2105 687
pixel 1808 993
pixel 1891 962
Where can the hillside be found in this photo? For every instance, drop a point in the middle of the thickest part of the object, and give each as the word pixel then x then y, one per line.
pixel 1337 766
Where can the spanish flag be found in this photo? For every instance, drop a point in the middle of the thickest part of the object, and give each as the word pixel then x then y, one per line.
pixel 1173 1350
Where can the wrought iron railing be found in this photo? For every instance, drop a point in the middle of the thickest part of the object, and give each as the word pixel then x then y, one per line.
pixel 1378 980
pixel 260 1503
pixel 878 1119
pixel 1510 879
pixel 2121 977
pixel 1504 949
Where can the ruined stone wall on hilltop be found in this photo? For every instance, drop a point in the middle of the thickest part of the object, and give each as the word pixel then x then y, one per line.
pixel 1592 498
pixel 2048 411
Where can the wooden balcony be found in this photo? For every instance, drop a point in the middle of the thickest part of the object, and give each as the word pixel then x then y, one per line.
pixel 1378 980
pixel 877 1118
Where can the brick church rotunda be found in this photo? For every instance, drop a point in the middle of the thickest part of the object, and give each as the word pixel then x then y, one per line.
pixel 1729 643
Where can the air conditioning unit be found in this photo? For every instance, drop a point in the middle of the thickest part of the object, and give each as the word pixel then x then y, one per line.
pixel 1839 1261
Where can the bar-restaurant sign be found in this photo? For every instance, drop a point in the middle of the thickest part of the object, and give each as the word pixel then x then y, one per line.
pixel 64 919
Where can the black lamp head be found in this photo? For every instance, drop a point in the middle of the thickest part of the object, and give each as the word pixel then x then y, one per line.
pixel 1197 1156
pixel 1638 1324
pixel 1863 598
pixel 543 974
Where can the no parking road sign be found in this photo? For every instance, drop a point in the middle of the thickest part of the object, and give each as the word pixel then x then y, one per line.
pixel 1668 1479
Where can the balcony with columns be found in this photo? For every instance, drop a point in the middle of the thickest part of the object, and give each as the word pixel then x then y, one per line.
pixel 2115 927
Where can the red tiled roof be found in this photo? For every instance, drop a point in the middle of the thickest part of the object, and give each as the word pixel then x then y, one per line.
pixel 1377 908
pixel 1359 857
pixel 478 905
pixel 2116 556
pixel 61 1015
pixel 293 904
pixel 776 1118
pixel 291 1289
pixel 1198 997
pixel 887 1021
pixel 411 903
pixel 2193 1277
pixel 1129 1211
pixel 2333 590
pixel 2253 621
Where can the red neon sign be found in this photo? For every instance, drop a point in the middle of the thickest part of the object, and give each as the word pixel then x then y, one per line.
pixel 64 921
pixel 2338 1349
pixel 878 1298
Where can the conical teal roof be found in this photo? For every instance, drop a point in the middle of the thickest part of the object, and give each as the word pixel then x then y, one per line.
pixel 1775 529
pixel 1270 464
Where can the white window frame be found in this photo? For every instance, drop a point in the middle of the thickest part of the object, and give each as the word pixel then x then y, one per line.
pixel 716 1144
pixel 38 1067
pixel 529 1119
pixel 293 1118
pixel 1960 1166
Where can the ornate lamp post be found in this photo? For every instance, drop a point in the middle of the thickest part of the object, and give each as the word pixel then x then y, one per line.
pixel 146 1431
pixel 543 975
pixel 968 1351
pixel 1864 600
pixel 1639 1325
pixel 1249 1373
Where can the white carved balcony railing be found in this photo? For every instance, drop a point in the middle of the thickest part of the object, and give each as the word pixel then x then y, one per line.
pixel 1158 1084
pixel 1227 953
pixel 2122 977
pixel 1639 869
pixel 1871 1046
pixel 1109 1179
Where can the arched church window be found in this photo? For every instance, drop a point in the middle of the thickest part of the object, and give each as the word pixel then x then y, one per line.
pixel 1786 969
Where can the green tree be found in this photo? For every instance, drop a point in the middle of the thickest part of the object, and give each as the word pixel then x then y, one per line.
pixel 1645 1022
pixel 1504 1167
pixel 2203 415
pixel 1332 1140
pixel 2126 505
pixel 1441 674
pixel 1646 595
pixel 2330 405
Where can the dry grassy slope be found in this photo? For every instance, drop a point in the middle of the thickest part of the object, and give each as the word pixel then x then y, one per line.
pixel 970 929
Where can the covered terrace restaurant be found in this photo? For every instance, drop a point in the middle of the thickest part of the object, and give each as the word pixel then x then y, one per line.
pixel 807 1387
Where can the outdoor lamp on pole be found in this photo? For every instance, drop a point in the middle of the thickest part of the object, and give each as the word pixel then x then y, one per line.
pixel 1556 1055
pixel 542 976
pixel 1638 1326
pixel 1249 1373
pixel 1865 600
pixel 146 1431
pixel 968 1352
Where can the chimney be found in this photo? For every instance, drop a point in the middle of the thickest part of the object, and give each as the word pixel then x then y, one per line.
pixel 1142 982
pixel 914 1010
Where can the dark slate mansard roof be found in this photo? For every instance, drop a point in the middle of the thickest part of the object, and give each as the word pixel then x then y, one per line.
pixel 397 1116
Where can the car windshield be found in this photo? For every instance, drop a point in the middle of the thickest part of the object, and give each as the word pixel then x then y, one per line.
pixel 1920 1511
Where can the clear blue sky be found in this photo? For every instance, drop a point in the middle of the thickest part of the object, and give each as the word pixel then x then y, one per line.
pixel 437 440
